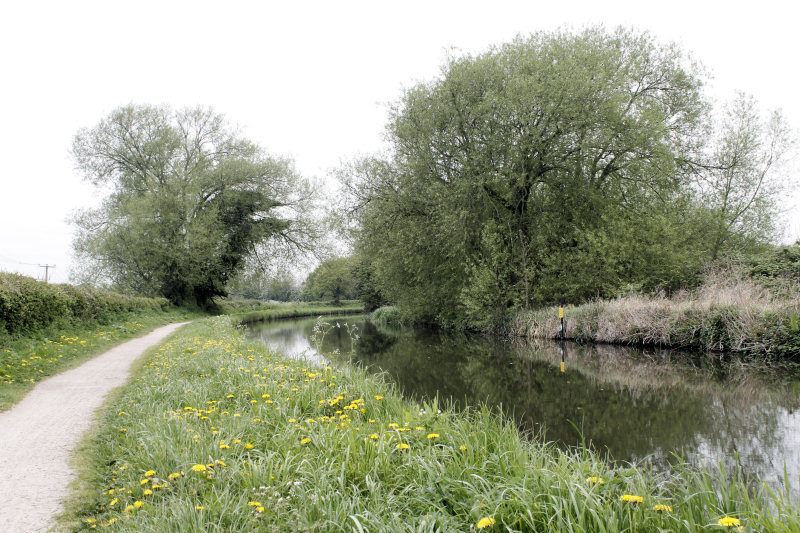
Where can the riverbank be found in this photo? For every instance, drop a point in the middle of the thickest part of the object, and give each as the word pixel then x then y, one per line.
pixel 726 314
pixel 215 432
pixel 249 311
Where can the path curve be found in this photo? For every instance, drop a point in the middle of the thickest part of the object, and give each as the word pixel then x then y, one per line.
pixel 38 434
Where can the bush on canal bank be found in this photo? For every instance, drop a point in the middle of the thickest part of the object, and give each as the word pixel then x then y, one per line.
pixel 217 433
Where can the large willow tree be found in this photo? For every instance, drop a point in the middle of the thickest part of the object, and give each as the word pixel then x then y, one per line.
pixel 553 167
pixel 188 202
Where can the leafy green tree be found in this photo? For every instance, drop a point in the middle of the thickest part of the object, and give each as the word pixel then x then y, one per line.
pixel 333 280
pixel 553 167
pixel 741 183
pixel 188 201
pixel 272 284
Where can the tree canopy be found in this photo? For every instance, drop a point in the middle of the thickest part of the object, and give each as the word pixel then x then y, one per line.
pixel 556 167
pixel 334 279
pixel 188 201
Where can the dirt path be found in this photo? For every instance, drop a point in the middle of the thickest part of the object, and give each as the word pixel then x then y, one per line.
pixel 38 434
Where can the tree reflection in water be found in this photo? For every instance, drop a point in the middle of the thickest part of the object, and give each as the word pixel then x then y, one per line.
pixel 636 405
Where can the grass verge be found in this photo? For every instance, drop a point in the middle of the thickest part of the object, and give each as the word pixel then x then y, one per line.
pixel 216 433
pixel 29 357
pixel 267 312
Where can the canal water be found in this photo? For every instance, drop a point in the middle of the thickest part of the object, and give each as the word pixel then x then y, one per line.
pixel 647 406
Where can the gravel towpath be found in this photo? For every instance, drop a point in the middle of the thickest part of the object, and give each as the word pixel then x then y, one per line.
pixel 38 434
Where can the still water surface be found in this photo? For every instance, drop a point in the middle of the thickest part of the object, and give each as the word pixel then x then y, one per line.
pixel 635 405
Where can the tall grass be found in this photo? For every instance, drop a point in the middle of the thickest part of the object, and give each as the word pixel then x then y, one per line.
pixel 727 313
pixel 215 433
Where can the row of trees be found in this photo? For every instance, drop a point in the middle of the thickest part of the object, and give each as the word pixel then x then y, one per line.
pixel 561 166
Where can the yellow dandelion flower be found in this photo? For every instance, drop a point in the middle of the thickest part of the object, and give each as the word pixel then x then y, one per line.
pixel 433 435
pixel 462 448
pixel 254 504
pixel 223 446
pixel 305 441
pixel 148 492
pixel 630 498
pixel 128 508
pixel 595 480
pixel 248 446
pixel 402 446
pixel 662 508
pixel 150 473
pixel 144 481
pixel 378 397
pixel 728 521
pixel 260 509
pixel 373 436
pixel 173 476
pixel 113 502
pixel 199 468
pixel 485 522
pixel 198 507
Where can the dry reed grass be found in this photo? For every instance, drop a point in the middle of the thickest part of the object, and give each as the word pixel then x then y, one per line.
pixel 729 312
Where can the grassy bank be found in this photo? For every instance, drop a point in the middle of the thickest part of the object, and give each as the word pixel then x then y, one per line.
pixel 248 311
pixel 47 328
pixel 727 313
pixel 29 357
pixel 215 433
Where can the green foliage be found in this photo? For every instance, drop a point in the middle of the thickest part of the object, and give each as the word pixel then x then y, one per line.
pixel 189 201
pixel 562 166
pixel 739 191
pixel 28 305
pixel 334 279
pixel 278 285
pixel 548 168
pixel 776 268
pixel 388 315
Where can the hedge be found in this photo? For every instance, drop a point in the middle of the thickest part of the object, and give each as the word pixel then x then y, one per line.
pixel 28 305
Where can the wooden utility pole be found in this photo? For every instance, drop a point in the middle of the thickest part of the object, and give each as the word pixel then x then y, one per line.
pixel 47 271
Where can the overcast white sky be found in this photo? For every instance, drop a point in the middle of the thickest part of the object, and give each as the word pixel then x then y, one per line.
pixel 305 79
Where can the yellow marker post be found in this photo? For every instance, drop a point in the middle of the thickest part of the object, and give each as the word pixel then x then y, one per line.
pixel 560 312
pixel 563 369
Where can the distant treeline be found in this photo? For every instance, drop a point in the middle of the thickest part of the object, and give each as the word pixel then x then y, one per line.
pixel 27 305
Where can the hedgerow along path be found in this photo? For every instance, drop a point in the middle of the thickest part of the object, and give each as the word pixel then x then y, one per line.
pixel 38 434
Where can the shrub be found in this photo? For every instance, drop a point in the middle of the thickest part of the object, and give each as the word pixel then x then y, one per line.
pixel 28 305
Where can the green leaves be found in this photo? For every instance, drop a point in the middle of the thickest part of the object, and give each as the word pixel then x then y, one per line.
pixel 547 168
pixel 190 200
